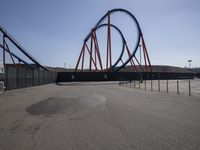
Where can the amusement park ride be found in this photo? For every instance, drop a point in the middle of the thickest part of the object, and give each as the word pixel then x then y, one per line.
pixel 95 52
pixel 98 69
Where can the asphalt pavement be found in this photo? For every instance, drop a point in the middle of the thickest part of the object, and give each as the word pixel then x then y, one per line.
pixel 97 116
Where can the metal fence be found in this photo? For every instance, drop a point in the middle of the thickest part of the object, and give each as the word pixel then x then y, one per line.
pixel 180 87
pixel 21 77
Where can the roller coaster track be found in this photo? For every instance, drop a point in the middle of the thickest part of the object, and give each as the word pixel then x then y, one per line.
pixel 94 51
pixel 6 48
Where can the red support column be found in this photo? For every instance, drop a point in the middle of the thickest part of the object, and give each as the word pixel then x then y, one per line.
pixel 145 61
pixel 139 64
pixel 145 49
pixel 132 62
pixel 77 64
pixel 109 56
pixel 97 50
pixel 134 65
pixel 110 42
pixel 83 57
pixel 91 57
pixel 91 47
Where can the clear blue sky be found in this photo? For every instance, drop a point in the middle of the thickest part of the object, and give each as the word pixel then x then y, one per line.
pixel 53 31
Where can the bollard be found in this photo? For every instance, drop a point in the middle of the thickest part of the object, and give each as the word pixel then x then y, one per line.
pixel 190 89
pixel 134 83
pixel 145 85
pixel 130 83
pixel 167 86
pixel 151 85
pixel 178 87
pixel 158 85
pixel 139 84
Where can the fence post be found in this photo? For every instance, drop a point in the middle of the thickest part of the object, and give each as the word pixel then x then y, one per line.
pixel 139 84
pixel 25 76
pixel 17 76
pixel 32 77
pixel 38 72
pixel 158 85
pixel 167 86
pixel 190 89
pixel 151 85
pixel 178 87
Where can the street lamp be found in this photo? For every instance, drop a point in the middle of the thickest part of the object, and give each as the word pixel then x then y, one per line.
pixel 189 61
pixel 65 67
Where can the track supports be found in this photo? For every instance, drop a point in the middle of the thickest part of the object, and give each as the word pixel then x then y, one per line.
pixel 6 47
pixel 108 56
pixel 94 52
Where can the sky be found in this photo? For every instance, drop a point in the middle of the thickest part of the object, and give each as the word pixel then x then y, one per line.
pixel 53 31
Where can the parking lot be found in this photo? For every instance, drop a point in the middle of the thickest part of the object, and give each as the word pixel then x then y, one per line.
pixel 97 115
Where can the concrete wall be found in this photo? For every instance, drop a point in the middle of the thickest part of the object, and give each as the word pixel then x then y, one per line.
pixel 22 76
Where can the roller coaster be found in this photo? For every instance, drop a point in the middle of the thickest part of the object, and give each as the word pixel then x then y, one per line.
pixel 95 53
pixel 7 38
pixel 98 69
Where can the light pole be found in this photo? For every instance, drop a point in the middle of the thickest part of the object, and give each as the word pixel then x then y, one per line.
pixel 65 66
pixel 189 61
pixel 140 48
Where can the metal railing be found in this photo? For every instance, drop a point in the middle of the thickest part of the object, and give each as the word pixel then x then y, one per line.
pixel 168 86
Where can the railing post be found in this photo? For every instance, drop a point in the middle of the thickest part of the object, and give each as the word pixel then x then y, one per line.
pixel 139 84
pixel 190 89
pixel 25 76
pixel 178 87
pixel 167 86
pixel 17 76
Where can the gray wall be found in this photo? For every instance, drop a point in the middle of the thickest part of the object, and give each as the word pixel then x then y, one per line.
pixel 22 76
